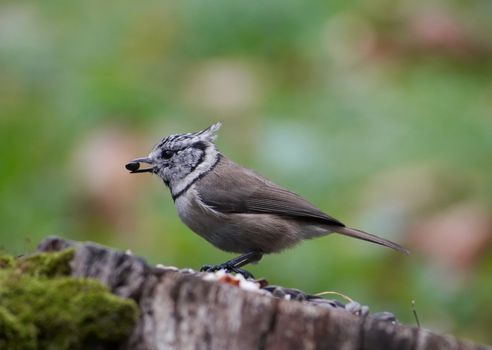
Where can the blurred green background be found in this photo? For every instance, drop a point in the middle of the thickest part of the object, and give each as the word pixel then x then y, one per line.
pixel 378 111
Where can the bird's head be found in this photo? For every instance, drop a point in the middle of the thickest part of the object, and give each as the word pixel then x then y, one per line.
pixel 179 157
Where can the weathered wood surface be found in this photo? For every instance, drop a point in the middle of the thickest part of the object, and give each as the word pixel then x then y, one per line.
pixel 180 310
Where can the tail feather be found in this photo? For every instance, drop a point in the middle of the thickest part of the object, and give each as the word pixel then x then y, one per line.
pixel 352 232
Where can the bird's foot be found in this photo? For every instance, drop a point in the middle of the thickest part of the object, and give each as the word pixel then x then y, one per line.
pixel 228 268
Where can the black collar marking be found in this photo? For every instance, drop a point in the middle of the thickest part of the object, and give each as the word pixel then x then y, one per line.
pixel 176 196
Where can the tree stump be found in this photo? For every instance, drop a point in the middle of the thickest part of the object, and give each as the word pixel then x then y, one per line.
pixel 179 309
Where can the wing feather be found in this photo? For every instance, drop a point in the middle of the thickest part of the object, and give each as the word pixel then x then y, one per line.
pixel 230 188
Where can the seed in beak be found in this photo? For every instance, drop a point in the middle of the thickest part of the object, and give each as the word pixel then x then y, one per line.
pixel 132 166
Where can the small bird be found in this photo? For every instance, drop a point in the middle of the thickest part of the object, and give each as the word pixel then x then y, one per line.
pixel 234 208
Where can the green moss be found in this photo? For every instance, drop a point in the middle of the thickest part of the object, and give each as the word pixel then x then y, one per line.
pixel 43 308
pixel 6 261
pixel 15 334
pixel 47 264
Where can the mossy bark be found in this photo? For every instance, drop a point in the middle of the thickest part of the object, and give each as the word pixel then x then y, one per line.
pixel 43 307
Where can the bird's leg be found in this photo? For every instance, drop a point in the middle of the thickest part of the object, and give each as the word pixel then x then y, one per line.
pixel 234 265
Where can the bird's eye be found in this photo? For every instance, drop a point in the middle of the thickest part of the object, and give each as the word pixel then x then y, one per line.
pixel 167 154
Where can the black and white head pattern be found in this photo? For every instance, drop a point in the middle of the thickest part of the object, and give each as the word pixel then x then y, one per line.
pixel 181 159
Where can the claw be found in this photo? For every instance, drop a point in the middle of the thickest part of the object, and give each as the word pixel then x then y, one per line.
pixel 228 268
pixel 234 265
pixel 246 274
pixel 207 268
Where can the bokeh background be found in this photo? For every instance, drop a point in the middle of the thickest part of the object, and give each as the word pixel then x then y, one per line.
pixel 378 111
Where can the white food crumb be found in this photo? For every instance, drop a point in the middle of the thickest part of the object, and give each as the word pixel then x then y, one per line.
pixel 248 285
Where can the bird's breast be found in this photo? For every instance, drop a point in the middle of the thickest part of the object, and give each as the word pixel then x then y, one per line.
pixel 198 217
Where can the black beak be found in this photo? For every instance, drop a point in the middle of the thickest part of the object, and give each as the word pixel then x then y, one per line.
pixel 134 165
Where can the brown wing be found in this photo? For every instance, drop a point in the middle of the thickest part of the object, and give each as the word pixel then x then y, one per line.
pixel 229 188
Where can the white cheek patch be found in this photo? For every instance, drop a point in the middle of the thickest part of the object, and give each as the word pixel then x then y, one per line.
pixel 209 160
